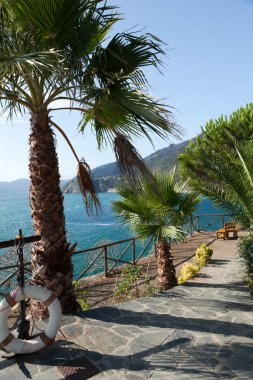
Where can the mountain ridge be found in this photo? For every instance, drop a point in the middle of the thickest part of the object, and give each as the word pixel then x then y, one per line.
pixel 20 185
pixel 107 176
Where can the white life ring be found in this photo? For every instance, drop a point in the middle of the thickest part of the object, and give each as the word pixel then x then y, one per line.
pixel 19 346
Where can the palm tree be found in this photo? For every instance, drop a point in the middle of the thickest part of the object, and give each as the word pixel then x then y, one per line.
pixel 57 50
pixel 159 213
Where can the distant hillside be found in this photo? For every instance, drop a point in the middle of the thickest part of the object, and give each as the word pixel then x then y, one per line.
pixel 108 176
pixel 106 170
pixel 165 159
pixel 102 185
pixel 20 186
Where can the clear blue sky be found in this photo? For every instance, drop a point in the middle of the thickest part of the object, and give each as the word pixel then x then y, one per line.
pixel 208 72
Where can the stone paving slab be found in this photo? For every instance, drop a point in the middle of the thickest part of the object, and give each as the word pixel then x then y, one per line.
pixel 201 330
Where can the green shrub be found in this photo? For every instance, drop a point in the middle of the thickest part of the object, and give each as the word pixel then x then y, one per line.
pixel 130 276
pixel 81 296
pixel 245 250
pixel 150 289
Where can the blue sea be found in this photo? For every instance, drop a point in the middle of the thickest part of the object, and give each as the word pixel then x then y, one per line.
pixel 87 232
pixel 15 214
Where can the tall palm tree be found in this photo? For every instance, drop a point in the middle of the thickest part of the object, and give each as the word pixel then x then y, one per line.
pixel 159 213
pixel 59 50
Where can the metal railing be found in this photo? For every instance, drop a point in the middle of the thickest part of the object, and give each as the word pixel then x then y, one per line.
pixel 117 257
pixel 106 257
pixel 10 270
pixel 204 222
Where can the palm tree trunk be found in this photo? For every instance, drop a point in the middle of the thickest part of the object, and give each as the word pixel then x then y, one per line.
pixel 165 267
pixel 51 256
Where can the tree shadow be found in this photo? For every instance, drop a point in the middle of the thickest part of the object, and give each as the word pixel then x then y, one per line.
pixel 220 305
pixel 177 354
pixel 202 275
pixel 149 319
pixel 60 352
pixel 217 262
pixel 238 286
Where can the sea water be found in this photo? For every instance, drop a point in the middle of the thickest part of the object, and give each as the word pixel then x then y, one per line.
pixel 15 213
pixel 87 232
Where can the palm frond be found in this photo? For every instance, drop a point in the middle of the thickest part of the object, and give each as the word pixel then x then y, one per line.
pixel 125 54
pixel 122 110
pixel 248 175
pixel 73 26
pixel 84 178
pixel 158 214
pixel 19 62
pixel 132 205
pixel 87 188
pixel 170 233
pixel 130 162
pixel 229 182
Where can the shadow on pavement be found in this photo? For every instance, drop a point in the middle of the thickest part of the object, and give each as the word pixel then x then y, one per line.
pixel 144 319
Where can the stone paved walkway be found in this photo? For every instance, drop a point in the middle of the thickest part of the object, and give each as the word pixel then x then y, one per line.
pixel 202 330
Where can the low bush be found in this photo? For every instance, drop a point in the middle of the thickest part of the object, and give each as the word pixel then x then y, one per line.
pixel 129 280
pixel 81 296
pixel 245 250
pixel 201 258
pixel 203 255
pixel 150 288
pixel 188 271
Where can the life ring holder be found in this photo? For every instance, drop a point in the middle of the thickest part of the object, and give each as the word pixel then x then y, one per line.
pixel 19 346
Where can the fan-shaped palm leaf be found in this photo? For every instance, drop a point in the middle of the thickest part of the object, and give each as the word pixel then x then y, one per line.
pixel 160 214
pixel 144 209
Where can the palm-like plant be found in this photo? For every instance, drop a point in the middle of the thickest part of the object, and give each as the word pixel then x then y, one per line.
pixel 56 50
pixel 229 183
pixel 219 163
pixel 159 213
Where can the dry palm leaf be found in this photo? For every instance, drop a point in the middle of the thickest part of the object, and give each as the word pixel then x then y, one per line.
pixel 130 161
pixel 87 188
pixel 86 184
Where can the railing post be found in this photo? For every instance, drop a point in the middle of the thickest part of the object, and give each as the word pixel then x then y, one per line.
pixel 23 323
pixel 191 226
pixel 223 221
pixel 198 229
pixel 133 252
pixel 105 261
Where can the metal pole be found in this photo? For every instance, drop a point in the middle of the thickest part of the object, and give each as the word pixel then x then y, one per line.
pixel 105 261
pixel 133 252
pixel 198 223
pixel 23 323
